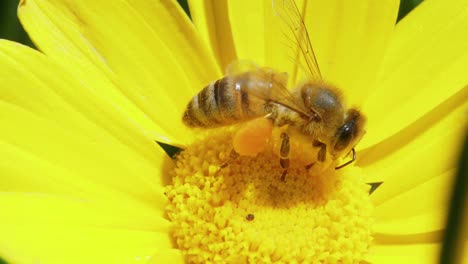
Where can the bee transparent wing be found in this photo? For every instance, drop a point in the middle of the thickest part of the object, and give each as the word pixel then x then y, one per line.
pixel 279 94
pixel 289 12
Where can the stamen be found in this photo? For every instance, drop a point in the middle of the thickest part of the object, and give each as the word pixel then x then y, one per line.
pixel 245 213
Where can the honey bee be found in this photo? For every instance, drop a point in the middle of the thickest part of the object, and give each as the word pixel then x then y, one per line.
pixel 309 123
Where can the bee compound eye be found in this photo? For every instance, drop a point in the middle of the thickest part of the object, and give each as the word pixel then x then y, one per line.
pixel 345 136
pixel 351 131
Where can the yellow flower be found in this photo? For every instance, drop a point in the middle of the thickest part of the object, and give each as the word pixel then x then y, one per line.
pixel 82 180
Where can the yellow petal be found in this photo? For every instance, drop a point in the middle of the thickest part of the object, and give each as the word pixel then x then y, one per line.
pixel 350 39
pixel 150 50
pixel 55 117
pixel 426 225
pixel 92 80
pixel 92 164
pixel 211 20
pixel 425 65
pixel 167 256
pixel 51 124
pixel 34 208
pixel 63 244
pixel 427 149
pixel 411 253
pixel 411 238
pixel 248 28
pixel 417 210
pixel 76 173
pixel 35 226
pixel 259 35
pixel 34 82
pixel 23 171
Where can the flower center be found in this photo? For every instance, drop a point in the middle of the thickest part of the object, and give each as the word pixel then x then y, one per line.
pixel 238 210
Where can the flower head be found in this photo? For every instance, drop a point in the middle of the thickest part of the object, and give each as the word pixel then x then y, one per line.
pixel 83 179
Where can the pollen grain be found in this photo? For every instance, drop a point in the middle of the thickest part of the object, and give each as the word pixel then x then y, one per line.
pixel 244 212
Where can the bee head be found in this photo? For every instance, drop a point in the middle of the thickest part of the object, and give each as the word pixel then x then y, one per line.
pixel 349 134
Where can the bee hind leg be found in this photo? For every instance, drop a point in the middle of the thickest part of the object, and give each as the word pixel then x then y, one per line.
pixel 285 165
pixel 284 154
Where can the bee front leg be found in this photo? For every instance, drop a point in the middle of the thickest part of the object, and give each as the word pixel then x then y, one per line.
pixel 321 155
pixel 284 155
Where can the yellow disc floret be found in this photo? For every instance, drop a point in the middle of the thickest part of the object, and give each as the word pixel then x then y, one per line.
pixel 228 209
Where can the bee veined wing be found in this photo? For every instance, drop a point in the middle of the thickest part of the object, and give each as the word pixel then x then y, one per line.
pixel 277 92
pixel 289 12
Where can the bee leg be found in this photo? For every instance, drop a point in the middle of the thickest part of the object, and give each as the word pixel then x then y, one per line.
pixel 284 154
pixel 349 161
pixel 322 153
pixel 285 165
pixel 308 166
pixel 232 156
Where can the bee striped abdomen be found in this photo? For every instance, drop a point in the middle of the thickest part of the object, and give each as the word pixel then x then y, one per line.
pixel 223 102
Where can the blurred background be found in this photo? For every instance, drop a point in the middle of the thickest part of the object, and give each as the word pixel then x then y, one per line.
pixel 10 28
